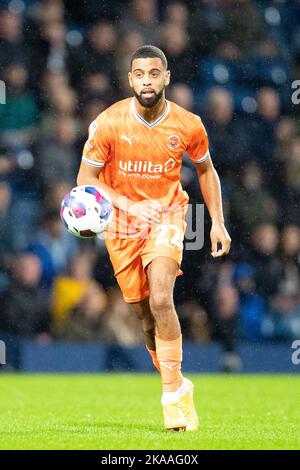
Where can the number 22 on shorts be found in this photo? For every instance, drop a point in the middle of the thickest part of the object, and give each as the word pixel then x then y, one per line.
pixel 169 235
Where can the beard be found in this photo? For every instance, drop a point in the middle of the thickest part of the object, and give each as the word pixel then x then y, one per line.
pixel 149 102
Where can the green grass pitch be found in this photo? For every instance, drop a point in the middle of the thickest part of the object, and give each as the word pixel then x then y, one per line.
pixel 121 411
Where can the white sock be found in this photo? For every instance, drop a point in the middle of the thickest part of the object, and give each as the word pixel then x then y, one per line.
pixel 183 389
pixel 169 397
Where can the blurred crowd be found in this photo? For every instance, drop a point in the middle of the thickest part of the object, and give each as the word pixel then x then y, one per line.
pixel 233 63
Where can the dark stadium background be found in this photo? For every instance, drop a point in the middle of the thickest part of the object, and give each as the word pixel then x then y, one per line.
pixel 233 62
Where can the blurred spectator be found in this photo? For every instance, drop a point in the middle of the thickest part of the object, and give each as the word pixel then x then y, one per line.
pixel 54 246
pixel 97 85
pixel 19 116
pixel 18 170
pixel 177 13
pixel 252 307
pixel 243 24
pixel 57 158
pixel 125 327
pixel 95 58
pixel 54 194
pixel 181 58
pixel 264 257
pixel 219 295
pixel 283 321
pixel 6 227
pixel 63 103
pixel 271 65
pixel 290 259
pixel 24 305
pixel 194 322
pixel 47 36
pixel 7 163
pixel 69 288
pixel 103 272
pixel 13 48
pixel 50 10
pixel 251 204
pixel 263 129
pixel 141 18
pixel 54 35
pixel 182 95
pixel 91 109
pixel 286 130
pixel 235 22
pixel 288 179
pixel 123 330
pixel 52 82
pixel 86 14
pixel 7 234
pixel 86 321
pixel 226 326
pixel 227 135
pixel 129 42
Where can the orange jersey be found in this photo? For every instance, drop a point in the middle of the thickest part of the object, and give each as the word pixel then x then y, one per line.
pixel 142 160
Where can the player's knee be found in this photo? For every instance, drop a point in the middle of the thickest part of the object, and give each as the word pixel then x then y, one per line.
pixel 161 302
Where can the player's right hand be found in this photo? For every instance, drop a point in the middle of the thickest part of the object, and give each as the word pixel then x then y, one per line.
pixel 148 210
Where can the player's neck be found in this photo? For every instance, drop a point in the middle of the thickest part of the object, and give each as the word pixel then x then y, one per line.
pixel 151 114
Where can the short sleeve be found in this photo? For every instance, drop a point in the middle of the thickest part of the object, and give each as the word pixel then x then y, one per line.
pixel 198 149
pixel 97 148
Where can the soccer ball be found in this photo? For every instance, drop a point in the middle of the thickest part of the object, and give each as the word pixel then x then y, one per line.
pixel 86 211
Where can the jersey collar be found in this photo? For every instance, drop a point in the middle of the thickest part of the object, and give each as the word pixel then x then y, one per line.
pixel 139 117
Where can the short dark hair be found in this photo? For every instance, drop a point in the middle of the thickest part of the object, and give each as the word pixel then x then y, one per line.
pixel 144 52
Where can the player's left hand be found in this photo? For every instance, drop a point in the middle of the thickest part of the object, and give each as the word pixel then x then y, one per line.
pixel 220 240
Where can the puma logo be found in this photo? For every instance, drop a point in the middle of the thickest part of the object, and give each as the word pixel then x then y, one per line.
pixel 128 139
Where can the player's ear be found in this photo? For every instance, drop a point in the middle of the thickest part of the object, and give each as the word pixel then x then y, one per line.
pixel 130 78
pixel 167 77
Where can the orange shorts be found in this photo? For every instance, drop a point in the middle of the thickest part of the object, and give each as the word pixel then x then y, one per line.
pixel 130 257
